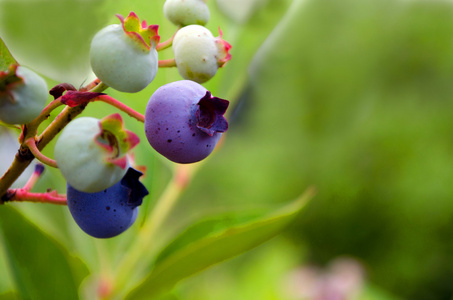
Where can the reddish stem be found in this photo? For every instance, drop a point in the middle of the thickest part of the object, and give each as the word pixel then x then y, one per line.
pixel 39 168
pixel 31 128
pixel 25 196
pixel 165 44
pixel 91 85
pixel 167 63
pixel 121 106
pixel 31 144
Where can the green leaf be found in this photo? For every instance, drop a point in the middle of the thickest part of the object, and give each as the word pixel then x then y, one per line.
pixel 6 58
pixel 205 227
pixel 215 248
pixel 41 267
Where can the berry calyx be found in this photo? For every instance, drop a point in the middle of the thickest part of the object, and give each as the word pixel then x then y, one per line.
pixel 110 212
pixel 144 35
pixel 187 12
pixel 183 122
pixel 124 56
pixel 91 153
pixel 198 54
pixel 23 94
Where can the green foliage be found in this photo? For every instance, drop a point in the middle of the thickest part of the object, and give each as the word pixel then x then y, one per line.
pixel 41 267
pixel 6 59
pixel 198 248
pixel 359 105
pixel 352 96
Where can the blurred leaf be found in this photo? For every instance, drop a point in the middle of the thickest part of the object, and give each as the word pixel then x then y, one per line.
pixel 53 37
pixel 212 249
pixel 260 274
pixel 204 228
pixel 371 292
pixel 41 267
pixel 365 104
pixel 6 58
pixel 9 296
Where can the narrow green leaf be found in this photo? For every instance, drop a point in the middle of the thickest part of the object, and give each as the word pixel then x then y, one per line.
pixel 205 227
pixel 41 267
pixel 6 58
pixel 212 249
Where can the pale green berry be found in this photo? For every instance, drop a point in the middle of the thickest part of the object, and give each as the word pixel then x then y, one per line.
pixel 124 56
pixel 186 12
pixel 90 153
pixel 22 95
pixel 198 54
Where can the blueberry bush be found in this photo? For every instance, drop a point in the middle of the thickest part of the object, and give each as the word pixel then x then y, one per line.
pixel 351 97
pixel 105 226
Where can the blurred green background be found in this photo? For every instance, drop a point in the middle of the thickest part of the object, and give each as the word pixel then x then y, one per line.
pixel 353 97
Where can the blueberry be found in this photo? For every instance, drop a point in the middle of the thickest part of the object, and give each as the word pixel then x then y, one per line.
pixel 198 54
pixel 23 94
pixel 108 213
pixel 124 56
pixel 183 122
pixel 91 153
pixel 186 12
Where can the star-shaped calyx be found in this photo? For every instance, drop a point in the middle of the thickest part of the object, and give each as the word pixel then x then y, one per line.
pixel 210 114
pixel 115 140
pixel 136 191
pixel 145 36
pixel 223 49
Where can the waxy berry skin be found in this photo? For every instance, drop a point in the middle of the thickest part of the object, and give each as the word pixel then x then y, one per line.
pixel 124 56
pixel 22 101
pixel 198 54
pixel 187 12
pixel 91 153
pixel 183 122
pixel 108 213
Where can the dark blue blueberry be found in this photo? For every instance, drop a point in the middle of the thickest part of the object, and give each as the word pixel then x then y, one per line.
pixel 107 213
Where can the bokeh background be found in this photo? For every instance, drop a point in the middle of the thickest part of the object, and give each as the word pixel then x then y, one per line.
pixel 353 97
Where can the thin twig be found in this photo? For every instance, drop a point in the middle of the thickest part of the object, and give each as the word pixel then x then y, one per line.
pixel 31 144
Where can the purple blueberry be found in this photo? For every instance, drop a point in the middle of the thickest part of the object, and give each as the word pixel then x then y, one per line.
pixel 110 212
pixel 183 122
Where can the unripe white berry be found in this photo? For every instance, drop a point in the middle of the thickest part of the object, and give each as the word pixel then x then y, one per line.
pixel 22 101
pixel 91 153
pixel 125 59
pixel 196 53
pixel 186 12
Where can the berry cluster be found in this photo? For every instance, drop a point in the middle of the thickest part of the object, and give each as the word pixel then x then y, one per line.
pixel 183 121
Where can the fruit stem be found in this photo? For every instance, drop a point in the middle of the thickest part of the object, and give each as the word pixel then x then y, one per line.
pixel 166 44
pixel 31 144
pixel 91 85
pixel 31 128
pixel 121 106
pixel 23 195
pixel 39 168
pixel 167 63
pixel 99 87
